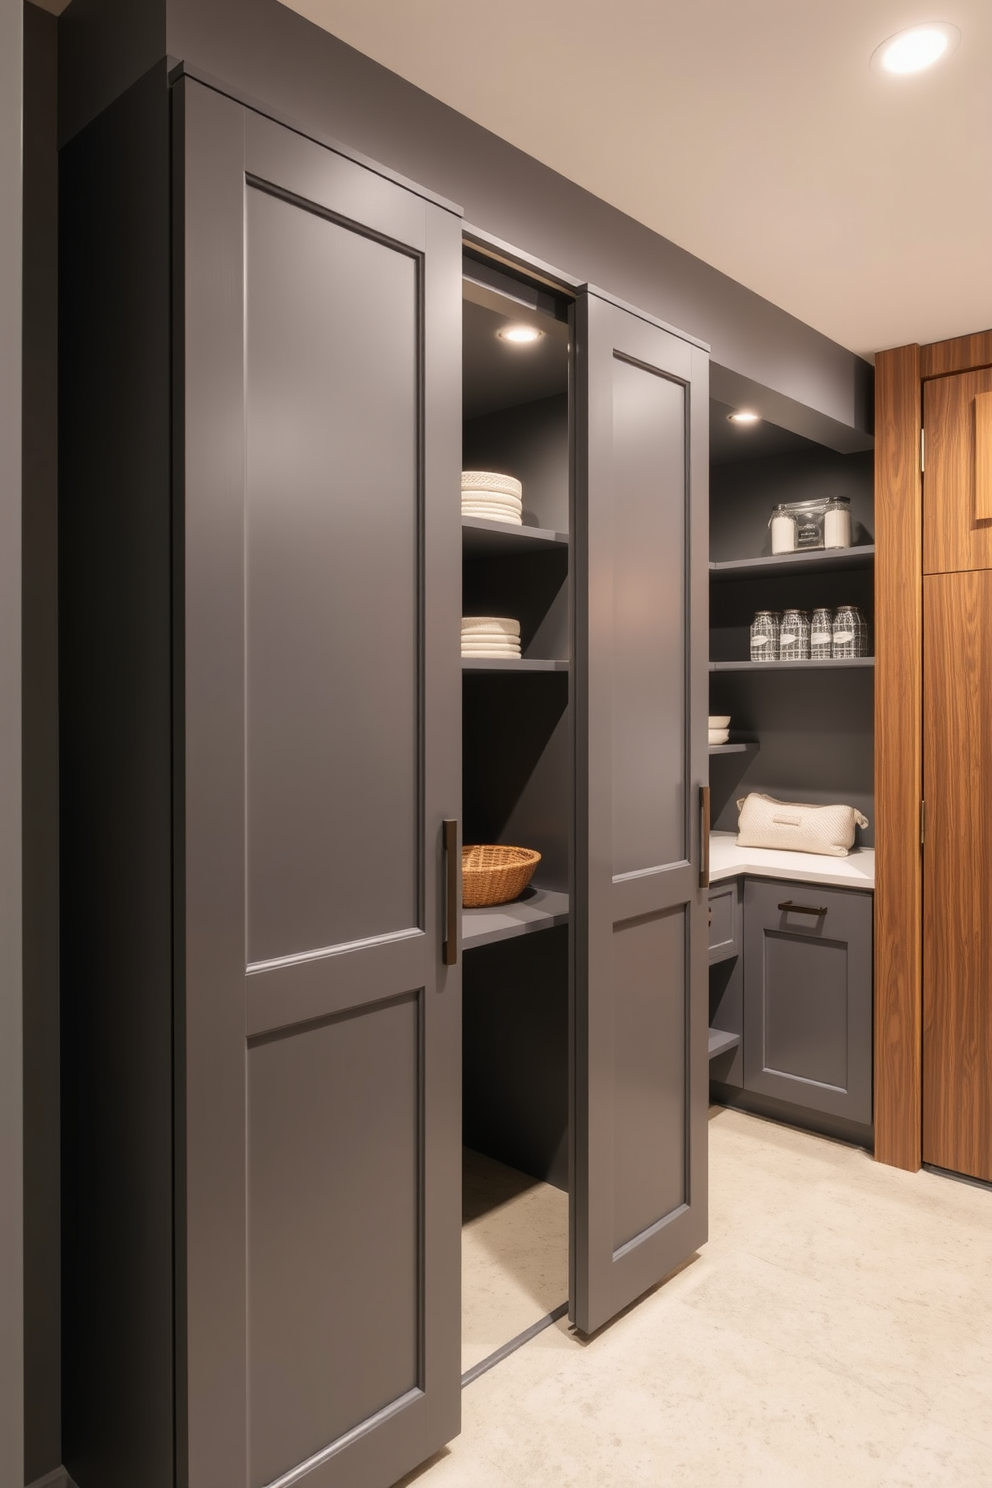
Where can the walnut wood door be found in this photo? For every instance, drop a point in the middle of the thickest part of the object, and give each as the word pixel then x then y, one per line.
pixel 319 1048
pixel 957 872
pixel 640 935
pixel 957 481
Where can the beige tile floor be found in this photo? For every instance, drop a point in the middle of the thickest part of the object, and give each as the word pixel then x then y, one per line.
pixel 514 1254
pixel 836 1332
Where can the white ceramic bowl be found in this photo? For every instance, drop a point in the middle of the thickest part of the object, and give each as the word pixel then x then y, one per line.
pixel 719 720
pixel 719 736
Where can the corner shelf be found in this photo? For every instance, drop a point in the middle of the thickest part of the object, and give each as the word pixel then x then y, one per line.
pixel 541 909
pixel 815 560
pixel 722 1043
pixel 840 663
pixel 483 539
pixel 501 664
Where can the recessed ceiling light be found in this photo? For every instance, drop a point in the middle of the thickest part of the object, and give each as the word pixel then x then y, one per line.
pixel 744 418
pixel 520 335
pixel 915 49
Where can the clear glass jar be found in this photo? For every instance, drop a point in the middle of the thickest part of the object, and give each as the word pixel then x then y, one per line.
pixel 764 636
pixel 783 529
pixel 821 638
pixel 850 632
pixel 793 640
pixel 837 523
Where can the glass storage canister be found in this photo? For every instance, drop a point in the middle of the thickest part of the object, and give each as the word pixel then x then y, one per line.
pixel 837 523
pixel 783 529
pixel 821 637
pixel 764 636
pixel 850 632
pixel 793 639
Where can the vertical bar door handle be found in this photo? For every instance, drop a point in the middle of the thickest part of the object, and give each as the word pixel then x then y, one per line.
pixel 983 456
pixel 452 904
pixel 704 836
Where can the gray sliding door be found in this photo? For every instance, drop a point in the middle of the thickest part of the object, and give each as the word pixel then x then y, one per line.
pixel 640 1091
pixel 318 1046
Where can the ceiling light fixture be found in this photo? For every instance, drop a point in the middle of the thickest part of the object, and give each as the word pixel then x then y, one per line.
pixel 916 48
pixel 744 418
pixel 520 335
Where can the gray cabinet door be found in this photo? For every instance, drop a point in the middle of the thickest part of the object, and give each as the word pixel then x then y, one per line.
pixel 318 1050
pixel 640 941
pixel 808 996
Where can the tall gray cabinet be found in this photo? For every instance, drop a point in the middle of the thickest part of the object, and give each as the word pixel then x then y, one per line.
pixel 261 554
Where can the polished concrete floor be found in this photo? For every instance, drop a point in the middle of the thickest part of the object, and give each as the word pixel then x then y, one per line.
pixel 514 1254
pixel 836 1332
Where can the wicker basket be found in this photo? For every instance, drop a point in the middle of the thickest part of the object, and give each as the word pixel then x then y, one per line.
pixel 495 875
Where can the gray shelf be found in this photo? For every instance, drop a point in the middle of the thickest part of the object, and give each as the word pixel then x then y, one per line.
pixel 750 748
pixel 539 909
pixel 815 560
pixel 482 539
pixel 721 1043
pixel 840 664
pixel 499 664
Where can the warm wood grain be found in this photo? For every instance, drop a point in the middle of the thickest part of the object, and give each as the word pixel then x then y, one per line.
pixel 957 875
pixel 955 537
pixel 898 705
pixel 983 456
pixel 960 354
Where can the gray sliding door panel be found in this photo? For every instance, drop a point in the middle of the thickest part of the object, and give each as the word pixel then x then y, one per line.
pixel 321 1045
pixel 332 601
pixel 640 1026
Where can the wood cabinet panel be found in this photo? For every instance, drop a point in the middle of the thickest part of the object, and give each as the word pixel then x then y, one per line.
pixel 959 354
pixel 956 534
pixel 957 874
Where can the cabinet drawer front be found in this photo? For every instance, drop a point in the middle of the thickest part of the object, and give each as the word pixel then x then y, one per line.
pixel 808 996
pixel 725 921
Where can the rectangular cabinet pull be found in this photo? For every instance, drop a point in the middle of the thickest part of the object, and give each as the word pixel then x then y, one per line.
pixel 812 909
pixel 452 907
pixel 704 836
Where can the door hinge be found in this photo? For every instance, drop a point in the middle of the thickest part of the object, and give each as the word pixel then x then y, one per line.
pixel 923 451
pixel 923 822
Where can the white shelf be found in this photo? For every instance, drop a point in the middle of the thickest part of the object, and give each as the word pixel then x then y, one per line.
pixel 538 909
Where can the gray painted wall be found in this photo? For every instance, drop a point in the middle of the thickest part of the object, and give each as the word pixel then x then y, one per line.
pixel 42 1281
pixel 11 1183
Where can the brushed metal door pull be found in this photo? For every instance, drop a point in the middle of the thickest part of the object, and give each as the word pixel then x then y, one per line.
pixel 452 898
pixel 812 909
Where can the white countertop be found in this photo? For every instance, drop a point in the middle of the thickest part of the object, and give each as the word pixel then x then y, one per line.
pixel 856 871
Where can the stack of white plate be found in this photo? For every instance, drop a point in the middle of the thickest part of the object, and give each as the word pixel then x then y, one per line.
pixel 490 636
pixel 719 728
pixel 494 497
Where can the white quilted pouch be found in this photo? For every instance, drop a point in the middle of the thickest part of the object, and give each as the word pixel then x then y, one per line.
pixel 797 826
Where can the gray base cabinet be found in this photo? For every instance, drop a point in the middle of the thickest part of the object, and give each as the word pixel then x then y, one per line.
pixel 800 995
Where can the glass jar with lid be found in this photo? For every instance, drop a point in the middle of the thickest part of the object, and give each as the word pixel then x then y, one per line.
pixel 764 636
pixel 850 633
pixel 837 523
pixel 793 639
pixel 821 635
pixel 783 529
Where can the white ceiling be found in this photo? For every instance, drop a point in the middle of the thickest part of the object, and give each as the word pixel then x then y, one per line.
pixel 750 132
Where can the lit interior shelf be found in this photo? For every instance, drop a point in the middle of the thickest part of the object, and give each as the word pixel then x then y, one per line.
pixel 814 560
pixel 538 909
pixel 838 663
pixel 499 664
pixel 721 1043
pixel 749 748
pixel 482 539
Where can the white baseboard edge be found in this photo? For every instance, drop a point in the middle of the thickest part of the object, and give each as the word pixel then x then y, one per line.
pixel 57 1478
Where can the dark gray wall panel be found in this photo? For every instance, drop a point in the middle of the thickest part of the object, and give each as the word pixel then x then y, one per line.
pixel 743 492
pixel 649 660
pixel 42 1365
pixel 650 1115
pixel 334 1122
pixel 333 532
pixel 529 441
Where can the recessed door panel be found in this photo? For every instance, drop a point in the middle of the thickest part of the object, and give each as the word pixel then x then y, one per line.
pixel 333 529
pixel 957 479
pixel 650 1176
pixel 649 658
pixel 334 1229
pixel 805 990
